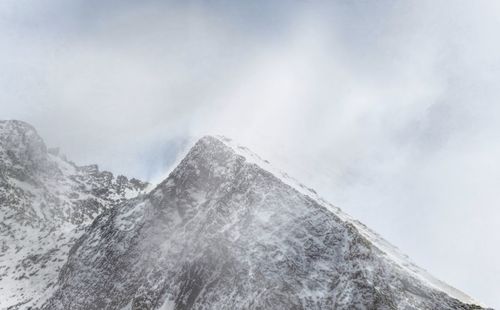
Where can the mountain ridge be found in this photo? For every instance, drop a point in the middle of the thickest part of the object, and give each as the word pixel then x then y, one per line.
pixel 371 235
pixel 239 216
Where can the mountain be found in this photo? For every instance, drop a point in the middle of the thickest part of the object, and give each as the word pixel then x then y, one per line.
pixel 46 202
pixel 226 231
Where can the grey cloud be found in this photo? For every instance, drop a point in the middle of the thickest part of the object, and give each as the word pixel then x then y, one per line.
pixel 387 108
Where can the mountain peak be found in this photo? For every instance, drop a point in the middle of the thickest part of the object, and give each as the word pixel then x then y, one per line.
pixel 224 232
pixel 21 133
pixel 20 145
pixel 214 143
pixel 13 123
pixel 208 160
pixel 221 149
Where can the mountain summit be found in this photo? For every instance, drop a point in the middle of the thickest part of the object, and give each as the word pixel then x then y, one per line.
pixel 225 232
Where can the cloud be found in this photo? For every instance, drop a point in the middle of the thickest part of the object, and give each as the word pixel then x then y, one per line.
pixel 386 108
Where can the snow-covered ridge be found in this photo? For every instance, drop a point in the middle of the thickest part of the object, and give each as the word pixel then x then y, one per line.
pixel 390 250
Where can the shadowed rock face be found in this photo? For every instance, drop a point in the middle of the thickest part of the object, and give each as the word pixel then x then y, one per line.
pixel 223 233
pixel 45 204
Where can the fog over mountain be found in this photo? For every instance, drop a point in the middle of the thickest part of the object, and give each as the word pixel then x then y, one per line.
pixel 224 230
pixel 387 109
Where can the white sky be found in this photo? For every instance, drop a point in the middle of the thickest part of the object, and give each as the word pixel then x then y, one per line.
pixel 387 108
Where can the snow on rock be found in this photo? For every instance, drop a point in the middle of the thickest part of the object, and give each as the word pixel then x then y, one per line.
pixel 226 231
pixel 394 253
pixel 45 204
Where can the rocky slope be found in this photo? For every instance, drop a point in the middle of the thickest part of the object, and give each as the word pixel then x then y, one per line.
pixel 222 232
pixel 46 202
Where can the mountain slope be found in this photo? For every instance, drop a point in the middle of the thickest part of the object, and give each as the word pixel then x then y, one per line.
pixel 221 232
pixel 46 202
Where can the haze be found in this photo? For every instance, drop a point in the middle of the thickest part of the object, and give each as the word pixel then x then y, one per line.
pixel 387 108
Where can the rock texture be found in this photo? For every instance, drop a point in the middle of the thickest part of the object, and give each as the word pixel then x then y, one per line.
pixel 46 202
pixel 222 232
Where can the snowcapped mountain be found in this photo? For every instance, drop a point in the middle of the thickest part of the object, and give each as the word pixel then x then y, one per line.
pixel 226 231
pixel 46 202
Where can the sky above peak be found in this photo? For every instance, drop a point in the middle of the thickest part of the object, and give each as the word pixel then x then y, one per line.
pixel 387 108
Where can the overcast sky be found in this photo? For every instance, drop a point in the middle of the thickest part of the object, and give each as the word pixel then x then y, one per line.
pixel 389 109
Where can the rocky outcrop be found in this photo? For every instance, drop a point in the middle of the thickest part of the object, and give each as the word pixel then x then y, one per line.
pixel 46 202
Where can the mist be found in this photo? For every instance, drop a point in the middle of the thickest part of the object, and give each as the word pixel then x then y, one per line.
pixel 388 109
